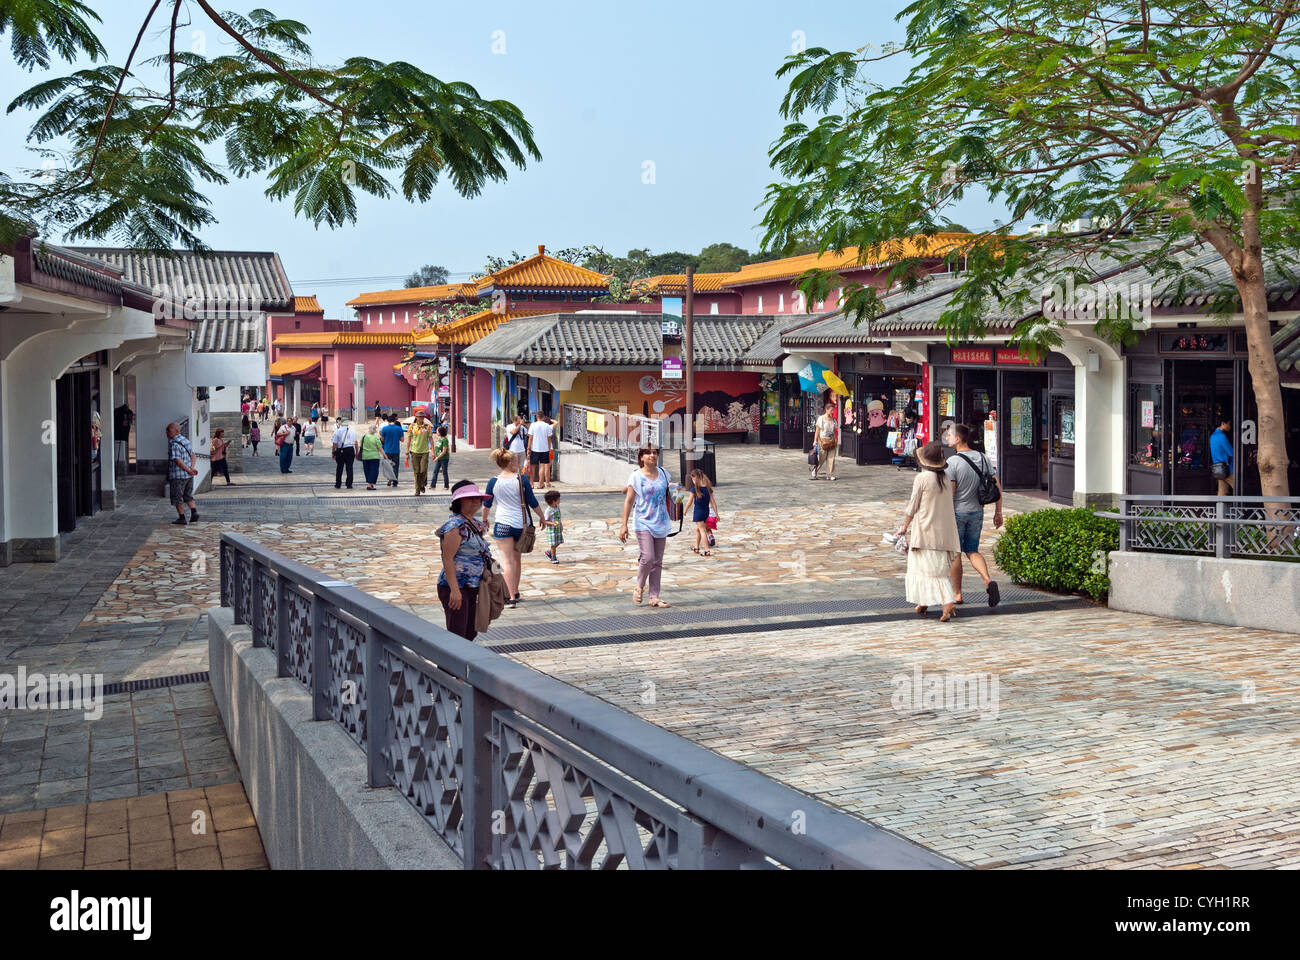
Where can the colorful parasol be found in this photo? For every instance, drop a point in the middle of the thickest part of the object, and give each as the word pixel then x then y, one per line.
pixel 835 383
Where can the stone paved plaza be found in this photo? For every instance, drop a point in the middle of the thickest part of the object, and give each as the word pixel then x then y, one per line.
pixel 1109 739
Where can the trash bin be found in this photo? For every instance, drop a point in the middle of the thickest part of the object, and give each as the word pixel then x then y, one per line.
pixel 703 458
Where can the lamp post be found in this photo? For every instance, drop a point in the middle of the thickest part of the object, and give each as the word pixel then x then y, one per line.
pixel 688 348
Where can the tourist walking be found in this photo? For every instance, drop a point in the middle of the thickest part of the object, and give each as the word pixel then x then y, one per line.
pixel 512 495
pixel 391 434
pixel 465 557
pixel 539 450
pixel 417 450
pixel 702 497
pixel 297 435
pixel 254 435
pixel 181 474
pixel 344 444
pixel 315 412
pixel 516 438
pixel 930 525
pixel 972 474
pixel 284 444
pixel 244 426
pixel 441 459
pixel 1221 457
pixel 219 447
pixel 827 437
pixel 647 492
pixel 372 451
pixel 309 437
pixel 554 525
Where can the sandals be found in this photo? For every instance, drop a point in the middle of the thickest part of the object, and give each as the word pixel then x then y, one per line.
pixel 637 595
pixel 695 549
pixel 950 615
pixel 656 602
pixel 922 611
pixel 706 554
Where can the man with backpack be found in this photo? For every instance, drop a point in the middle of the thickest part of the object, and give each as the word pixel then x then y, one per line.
pixel 974 485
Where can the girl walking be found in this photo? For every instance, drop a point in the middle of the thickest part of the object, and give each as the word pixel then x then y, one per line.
pixel 647 491
pixel 554 525
pixel 219 446
pixel 254 435
pixel 933 543
pixel 243 428
pixel 512 495
pixel 703 497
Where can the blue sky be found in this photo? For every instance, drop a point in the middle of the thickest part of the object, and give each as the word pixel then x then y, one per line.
pixel 690 87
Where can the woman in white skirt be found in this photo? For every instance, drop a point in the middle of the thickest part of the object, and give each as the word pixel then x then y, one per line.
pixel 931 528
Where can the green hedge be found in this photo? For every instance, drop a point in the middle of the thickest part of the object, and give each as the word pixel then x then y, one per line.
pixel 1065 550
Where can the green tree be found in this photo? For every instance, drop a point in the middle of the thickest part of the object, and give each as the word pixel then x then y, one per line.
pixel 1171 122
pixel 427 276
pixel 722 258
pixel 126 157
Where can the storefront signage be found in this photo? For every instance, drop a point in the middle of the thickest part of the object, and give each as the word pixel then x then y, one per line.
pixel 1067 426
pixel 1148 413
pixel 1194 341
pixel 1011 355
pixel 965 355
pixel 991 440
pixel 672 337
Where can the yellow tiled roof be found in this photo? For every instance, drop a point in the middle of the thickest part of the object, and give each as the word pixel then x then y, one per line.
pixel 541 270
pixel 849 259
pixel 288 366
pixel 307 305
pixel 473 328
pixel 440 291
pixel 342 340
pixel 676 282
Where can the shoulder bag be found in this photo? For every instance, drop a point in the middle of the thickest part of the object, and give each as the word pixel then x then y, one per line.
pixel 987 492
pixel 529 537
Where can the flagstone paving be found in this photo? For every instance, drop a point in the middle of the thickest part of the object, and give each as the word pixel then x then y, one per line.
pixel 1117 740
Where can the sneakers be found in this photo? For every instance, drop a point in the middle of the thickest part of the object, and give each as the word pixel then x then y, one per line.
pixel 179 521
pixel 551 557
pixel 995 595
pixel 194 516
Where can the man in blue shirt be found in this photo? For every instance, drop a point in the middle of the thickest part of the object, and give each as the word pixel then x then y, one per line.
pixel 391 434
pixel 1221 453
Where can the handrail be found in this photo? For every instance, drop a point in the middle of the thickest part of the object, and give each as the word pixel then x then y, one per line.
pixel 715 812
pixel 1255 527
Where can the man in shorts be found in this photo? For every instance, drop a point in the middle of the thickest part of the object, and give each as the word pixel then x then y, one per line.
pixel 964 470
pixel 539 450
pixel 181 474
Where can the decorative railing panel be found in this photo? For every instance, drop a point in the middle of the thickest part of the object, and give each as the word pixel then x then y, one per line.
pixel 514 769
pixel 347 675
pixel 298 611
pixel 558 809
pixel 1261 528
pixel 617 434
pixel 426 759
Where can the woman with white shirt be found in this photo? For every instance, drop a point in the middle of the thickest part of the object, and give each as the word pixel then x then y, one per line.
pixel 508 492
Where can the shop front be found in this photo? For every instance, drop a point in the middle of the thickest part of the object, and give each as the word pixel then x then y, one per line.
pixel 882 403
pixel 1021 406
pixel 77 434
pixel 1181 385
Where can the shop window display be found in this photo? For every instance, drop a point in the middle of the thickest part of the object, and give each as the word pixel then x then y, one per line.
pixel 1146 423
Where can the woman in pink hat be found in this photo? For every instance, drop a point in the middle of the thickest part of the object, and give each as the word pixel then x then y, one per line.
pixel 465 555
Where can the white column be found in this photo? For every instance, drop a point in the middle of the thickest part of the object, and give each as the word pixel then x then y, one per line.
pixel 1099 448
pixel 359 391
pixel 107 437
pixel 297 397
pixel 31 462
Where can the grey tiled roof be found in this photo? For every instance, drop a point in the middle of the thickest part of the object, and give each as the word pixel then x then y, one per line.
pixel 230 335
pixel 212 277
pixel 768 349
pixel 613 339
pixel 836 329
pixel 65 264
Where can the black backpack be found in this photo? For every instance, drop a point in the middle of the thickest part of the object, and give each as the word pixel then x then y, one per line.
pixel 988 491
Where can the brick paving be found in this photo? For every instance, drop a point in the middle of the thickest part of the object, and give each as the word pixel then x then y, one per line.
pixel 1118 740
pixel 197 829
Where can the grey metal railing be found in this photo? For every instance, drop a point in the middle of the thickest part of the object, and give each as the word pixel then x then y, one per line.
pixel 1247 527
pixel 616 433
pixel 515 769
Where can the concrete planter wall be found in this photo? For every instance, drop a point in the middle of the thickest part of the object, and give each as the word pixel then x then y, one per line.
pixel 1263 594
pixel 306 779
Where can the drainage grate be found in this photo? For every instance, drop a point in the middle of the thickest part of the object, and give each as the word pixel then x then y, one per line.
pixel 155 683
pixel 751 626
pixel 1011 597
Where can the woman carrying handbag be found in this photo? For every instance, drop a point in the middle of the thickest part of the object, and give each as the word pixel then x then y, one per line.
pixel 513 497
pixel 466 564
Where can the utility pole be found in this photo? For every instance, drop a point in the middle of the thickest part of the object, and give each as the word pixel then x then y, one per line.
pixel 451 396
pixel 688 348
